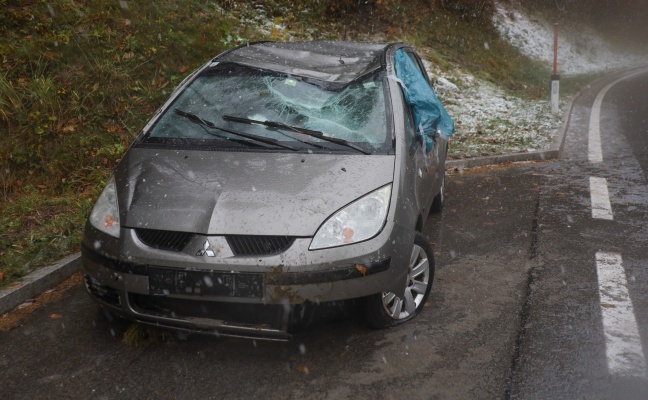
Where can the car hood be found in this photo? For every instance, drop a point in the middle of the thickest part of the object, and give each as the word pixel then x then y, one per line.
pixel 242 193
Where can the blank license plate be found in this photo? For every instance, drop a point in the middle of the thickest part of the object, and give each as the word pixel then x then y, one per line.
pixel 164 282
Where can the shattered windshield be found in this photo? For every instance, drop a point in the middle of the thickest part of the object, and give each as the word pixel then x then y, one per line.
pixel 353 112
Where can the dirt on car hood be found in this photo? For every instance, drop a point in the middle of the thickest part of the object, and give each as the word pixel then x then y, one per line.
pixel 242 193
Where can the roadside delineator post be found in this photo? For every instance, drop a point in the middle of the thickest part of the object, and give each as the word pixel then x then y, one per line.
pixel 555 78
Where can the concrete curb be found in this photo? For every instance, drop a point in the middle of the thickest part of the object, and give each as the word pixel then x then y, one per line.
pixel 38 282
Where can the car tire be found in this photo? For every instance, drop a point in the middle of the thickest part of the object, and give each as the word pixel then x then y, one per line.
pixel 439 199
pixel 385 310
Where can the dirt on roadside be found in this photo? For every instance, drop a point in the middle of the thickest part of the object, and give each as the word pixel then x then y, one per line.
pixel 13 318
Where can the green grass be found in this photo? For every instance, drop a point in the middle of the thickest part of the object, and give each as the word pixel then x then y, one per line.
pixel 79 79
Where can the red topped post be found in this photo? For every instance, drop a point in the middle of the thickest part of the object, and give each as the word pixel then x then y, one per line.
pixel 555 64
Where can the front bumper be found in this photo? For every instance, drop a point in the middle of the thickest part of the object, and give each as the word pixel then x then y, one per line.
pixel 245 296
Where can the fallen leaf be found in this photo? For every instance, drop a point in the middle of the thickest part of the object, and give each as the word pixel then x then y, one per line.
pixel 453 210
pixel 1 276
pixel 95 87
pixel 361 269
pixel 26 304
pixel 302 368
pixel 184 68
pixel 69 128
pixel 55 316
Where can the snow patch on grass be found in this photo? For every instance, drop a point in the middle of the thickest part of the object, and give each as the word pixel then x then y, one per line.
pixel 580 51
pixel 488 120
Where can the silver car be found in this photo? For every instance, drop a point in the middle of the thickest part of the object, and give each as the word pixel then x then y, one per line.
pixel 276 177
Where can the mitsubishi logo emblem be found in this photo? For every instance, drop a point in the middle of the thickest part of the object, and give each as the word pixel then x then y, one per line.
pixel 206 250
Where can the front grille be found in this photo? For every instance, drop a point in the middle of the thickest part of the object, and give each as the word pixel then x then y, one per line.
pixel 259 245
pixel 104 293
pixel 164 240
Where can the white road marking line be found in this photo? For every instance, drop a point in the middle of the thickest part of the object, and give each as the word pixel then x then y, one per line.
pixel 594 145
pixel 595 153
pixel 625 356
pixel 601 208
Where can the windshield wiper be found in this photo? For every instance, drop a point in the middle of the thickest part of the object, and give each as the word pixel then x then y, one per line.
pixel 281 125
pixel 286 127
pixel 206 123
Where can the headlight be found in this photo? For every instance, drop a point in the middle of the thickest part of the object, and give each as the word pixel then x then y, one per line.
pixel 105 213
pixel 359 221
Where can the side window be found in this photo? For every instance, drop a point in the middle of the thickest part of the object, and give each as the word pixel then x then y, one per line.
pixel 419 65
pixel 410 130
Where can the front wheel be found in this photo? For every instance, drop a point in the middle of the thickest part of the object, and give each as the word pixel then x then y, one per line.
pixel 385 309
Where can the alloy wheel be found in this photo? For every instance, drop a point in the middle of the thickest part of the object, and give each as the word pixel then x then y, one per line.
pixel 418 279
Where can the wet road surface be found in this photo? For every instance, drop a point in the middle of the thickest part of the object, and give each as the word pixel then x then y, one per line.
pixel 515 310
pixel 584 333
pixel 460 346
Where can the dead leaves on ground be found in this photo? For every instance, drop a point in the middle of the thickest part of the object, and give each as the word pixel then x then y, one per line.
pixel 14 318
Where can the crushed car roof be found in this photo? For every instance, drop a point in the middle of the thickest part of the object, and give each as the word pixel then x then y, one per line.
pixel 340 62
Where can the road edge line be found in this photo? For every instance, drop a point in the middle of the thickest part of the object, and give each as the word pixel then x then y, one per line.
pixel 623 348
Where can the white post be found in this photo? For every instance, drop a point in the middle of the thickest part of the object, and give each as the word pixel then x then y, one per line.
pixel 555 94
pixel 555 78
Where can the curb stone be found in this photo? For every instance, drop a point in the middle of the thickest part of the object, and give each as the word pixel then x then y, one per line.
pixel 38 282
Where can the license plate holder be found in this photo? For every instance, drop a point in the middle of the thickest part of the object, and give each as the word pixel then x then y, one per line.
pixel 165 281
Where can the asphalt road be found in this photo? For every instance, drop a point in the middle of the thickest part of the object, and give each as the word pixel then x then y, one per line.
pixel 515 311
pixel 577 340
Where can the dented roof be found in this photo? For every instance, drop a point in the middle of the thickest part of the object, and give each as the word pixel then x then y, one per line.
pixel 339 62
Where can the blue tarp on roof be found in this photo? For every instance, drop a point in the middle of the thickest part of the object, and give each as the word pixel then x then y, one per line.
pixel 429 114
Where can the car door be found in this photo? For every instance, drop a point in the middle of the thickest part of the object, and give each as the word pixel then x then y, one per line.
pixel 428 162
pixel 419 160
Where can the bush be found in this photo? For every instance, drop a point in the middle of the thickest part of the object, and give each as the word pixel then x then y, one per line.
pixel 481 10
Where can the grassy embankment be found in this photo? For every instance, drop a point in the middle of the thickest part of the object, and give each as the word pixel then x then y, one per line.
pixel 79 79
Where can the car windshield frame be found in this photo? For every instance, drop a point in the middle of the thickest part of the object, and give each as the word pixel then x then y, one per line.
pixel 170 130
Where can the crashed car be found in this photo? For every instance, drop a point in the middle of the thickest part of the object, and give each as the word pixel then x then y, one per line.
pixel 276 176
